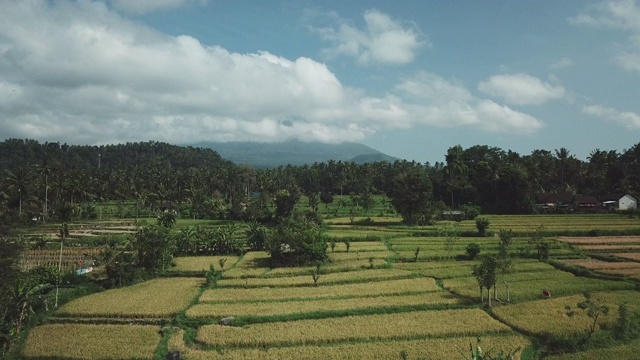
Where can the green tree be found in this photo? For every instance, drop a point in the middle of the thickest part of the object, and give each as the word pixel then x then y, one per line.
pixel 154 248
pixel 285 202
pixel 485 274
pixel 482 224
pixel 297 241
pixel 410 194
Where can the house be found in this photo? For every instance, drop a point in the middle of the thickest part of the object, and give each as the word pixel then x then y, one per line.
pixel 553 201
pixel 619 201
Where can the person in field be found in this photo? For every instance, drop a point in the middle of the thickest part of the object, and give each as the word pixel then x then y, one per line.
pixel 546 293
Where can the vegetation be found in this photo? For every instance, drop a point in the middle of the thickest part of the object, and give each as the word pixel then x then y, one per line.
pixel 379 253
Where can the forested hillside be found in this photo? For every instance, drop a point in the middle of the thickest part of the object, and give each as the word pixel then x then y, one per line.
pixel 37 178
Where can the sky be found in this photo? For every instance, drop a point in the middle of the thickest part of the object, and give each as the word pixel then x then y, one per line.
pixel 409 78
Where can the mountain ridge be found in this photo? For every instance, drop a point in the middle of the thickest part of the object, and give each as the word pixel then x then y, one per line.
pixel 293 152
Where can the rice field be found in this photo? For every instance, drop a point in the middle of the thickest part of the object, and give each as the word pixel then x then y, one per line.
pixel 158 298
pixel 352 328
pixel 202 263
pixel 389 287
pixel 600 240
pixel 548 317
pixel 333 278
pixel 429 348
pixel 529 286
pixel 357 246
pixel 80 341
pixel 628 256
pixel 338 266
pixel 258 309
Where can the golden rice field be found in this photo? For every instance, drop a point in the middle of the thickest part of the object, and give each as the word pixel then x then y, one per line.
pixel 353 328
pixel 220 310
pixel 202 263
pixel 447 269
pixel 436 348
pixel 253 259
pixel 157 298
pixel 333 278
pixel 80 341
pixel 548 317
pixel 388 287
pixel 594 264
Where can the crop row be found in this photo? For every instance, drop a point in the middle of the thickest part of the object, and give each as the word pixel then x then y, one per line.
pixel 353 328
pixel 158 298
pixel 437 348
pixel 319 292
pixel 600 240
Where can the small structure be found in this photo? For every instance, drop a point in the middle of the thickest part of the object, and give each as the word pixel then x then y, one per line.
pixel 619 201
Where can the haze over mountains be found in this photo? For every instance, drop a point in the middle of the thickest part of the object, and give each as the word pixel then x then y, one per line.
pixel 294 152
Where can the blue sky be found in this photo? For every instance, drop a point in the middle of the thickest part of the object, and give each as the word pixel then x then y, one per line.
pixel 409 78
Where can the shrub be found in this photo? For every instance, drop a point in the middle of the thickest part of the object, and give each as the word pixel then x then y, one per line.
pixel 472 250
pixel 482 224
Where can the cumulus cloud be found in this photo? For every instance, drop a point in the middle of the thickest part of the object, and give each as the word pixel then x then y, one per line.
pixel 384 40
pixel 619 14
pixel 521 89
pixel 81 73
pixel 629 119
pixel 444 103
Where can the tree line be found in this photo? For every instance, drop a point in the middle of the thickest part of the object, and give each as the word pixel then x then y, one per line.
pixel 40 178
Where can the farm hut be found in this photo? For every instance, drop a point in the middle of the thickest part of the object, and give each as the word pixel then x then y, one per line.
pixel 619 201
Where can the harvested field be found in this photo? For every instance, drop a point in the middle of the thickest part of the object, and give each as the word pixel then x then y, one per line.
pixel 594 264
pixel 608 248
pixel 628 256
pixel 79 341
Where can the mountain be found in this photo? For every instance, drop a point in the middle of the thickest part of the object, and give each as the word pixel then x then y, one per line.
pixel 293 152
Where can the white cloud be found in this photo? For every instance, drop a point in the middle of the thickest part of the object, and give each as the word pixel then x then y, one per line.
pixel 563 63
pixel 618 14
pixel 80 73
pixel 147 6
pixel 521 89
pixel 439 102
pixel 629 119
pixel 384 40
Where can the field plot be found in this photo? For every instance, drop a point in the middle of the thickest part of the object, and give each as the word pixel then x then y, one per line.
pixel 78 341
pixel 257 309
pixel 609 248
pixel 353 328
pixel 626 351
pixel 529 286
pixel 548 317
pixel 201 263
pixel 334 278
pixel 600 240
pixel 389 287
pixel 158 298
pixel 357 255
pixel 551 223
pixel 628 256
pixel 358 246
pixel 438 348
pixel 337 266
pixel 454 269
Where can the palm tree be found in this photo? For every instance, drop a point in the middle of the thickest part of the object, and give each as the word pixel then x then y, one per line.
pixel 563 156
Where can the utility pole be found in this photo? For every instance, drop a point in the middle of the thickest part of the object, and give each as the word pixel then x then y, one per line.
pixel 99 156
